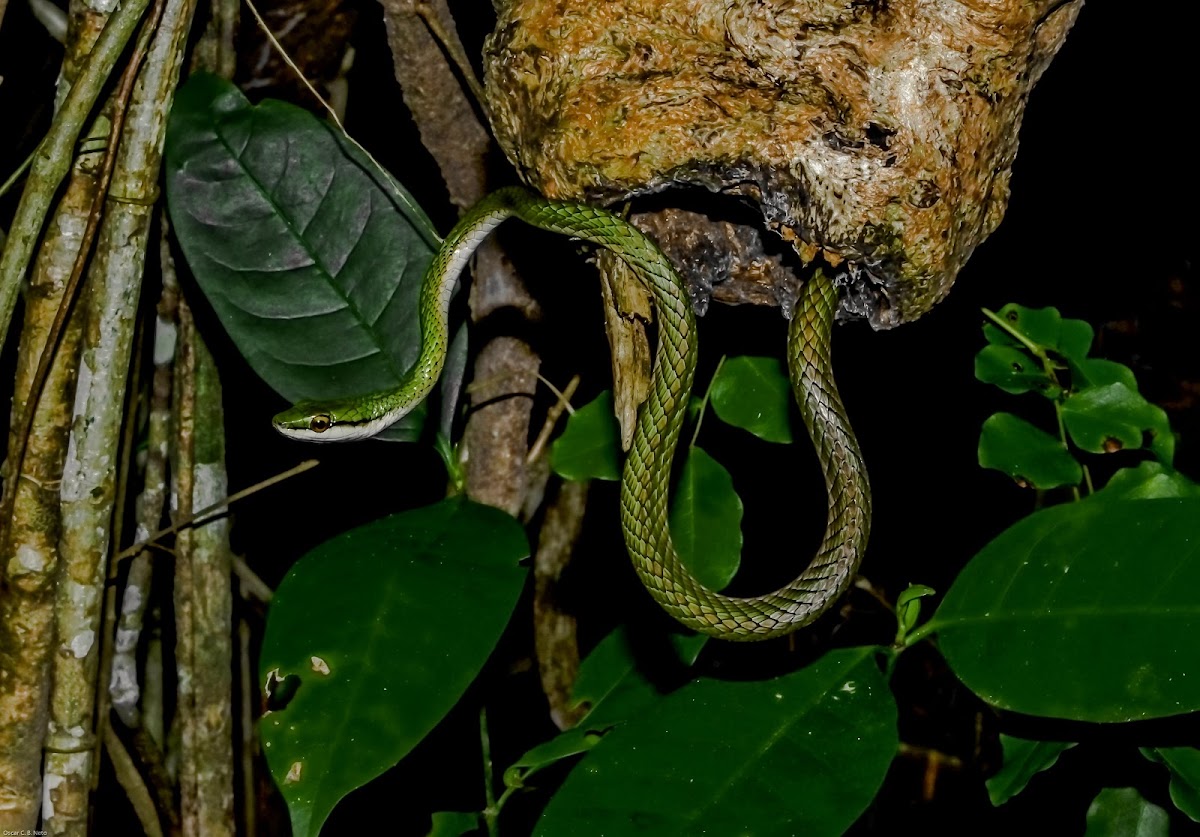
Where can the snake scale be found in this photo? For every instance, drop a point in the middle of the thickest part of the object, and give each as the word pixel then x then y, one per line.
pixel 646 478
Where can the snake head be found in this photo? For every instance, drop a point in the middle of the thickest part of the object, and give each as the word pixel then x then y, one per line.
pixel 341 420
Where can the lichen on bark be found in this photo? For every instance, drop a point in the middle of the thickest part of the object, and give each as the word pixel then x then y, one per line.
pixel 877 135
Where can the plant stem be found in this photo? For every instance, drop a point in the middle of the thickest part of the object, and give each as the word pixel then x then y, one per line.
pixel 492 812
pixel 704 400
pixel 53 158
pixel 1048 367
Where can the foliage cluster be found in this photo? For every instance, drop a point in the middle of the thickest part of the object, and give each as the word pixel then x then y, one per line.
pixel 1084 610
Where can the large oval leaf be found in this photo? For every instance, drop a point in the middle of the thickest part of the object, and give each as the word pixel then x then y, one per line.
pixel 310 257
pixel 1085 611
pixel 385 627
pixel 806 756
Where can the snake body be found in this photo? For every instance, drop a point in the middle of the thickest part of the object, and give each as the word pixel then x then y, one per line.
pixel 646 478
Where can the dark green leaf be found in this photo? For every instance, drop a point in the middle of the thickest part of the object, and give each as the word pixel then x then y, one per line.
pixel 754 393
pixel 614 688
pixel 1105 419
pixel 454 824
pixel 1027 454
pixel 1149 480
pixel 1184 766
pixel 1014 371
pixel 569 743
pixel 1023 759
pixel 590 446
pixel 1122 812
pixel 310 258
pixel 806 756
pixel 1084 611
pixel 385 627
pixel 706 520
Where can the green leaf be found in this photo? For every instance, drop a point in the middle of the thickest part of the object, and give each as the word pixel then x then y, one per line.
pixel 590 446
pixel 1184 766
pixel 706 520
pixel 311 259
pixel 385 627
pixel 1044 327
pixel 615 688
pixel 1105 419
pixel 1148 481
pixel 1075 339
pixel 1029 455
pixel 754 393
pixel 1084 611
pixel 571 742
pixel 806 756
pixel 454 824
pixel 1013 370
pixel 1097 372
pixel 1122 812
pixel 908 608
pixel 1023 759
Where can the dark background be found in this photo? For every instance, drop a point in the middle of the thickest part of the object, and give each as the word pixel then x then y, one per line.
pixel 1100 224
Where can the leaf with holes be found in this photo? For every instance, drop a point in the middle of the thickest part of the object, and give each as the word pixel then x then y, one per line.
pixel 1045 327
pixel 311 259
pixel 806 756
pixel 1029 455
pixel 385 627
pixel 1013 370
pixel 1105 419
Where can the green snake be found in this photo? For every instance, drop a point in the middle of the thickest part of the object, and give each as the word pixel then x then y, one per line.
pixel 644 485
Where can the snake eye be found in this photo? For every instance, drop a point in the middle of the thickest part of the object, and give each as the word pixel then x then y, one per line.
pixel 320 423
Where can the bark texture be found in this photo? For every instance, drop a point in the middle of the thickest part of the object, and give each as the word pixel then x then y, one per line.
pixel 877 135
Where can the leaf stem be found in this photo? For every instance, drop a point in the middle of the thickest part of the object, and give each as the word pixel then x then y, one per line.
pixel 1049 368
pixel 919 633
pixel 704 401
pixel 492 812
pixel 1037 350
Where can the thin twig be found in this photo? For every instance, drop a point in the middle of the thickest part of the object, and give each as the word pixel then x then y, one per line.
pixel 252 585
pixel 133 784
pixel 562 403
pixel 16 175
pixel 190 519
